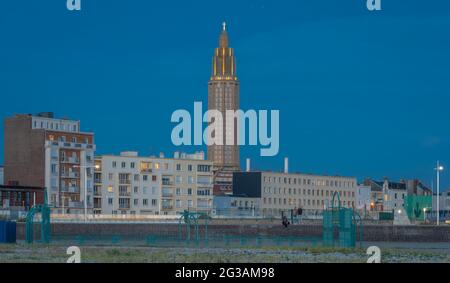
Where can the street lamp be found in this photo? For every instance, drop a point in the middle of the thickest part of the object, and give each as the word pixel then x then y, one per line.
pixel 424 211
pixel 85 186
pixel 438 169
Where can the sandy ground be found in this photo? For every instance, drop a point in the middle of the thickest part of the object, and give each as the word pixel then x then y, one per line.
pixel 390 252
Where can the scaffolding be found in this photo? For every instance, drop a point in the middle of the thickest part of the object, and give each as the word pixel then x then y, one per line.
pixel 342 222
pixel 417 207
pixel 44 210
pixel 188 219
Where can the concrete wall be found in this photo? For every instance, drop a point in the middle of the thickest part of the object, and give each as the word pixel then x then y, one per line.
pixel 370 232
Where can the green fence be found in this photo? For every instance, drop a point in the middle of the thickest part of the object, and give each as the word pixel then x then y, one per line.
pixel 386 216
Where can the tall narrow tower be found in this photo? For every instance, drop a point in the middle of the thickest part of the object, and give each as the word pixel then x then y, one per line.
pixel 223 94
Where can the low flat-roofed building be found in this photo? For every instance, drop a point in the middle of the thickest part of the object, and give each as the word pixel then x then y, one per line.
pixel 236 206
pixel 285 192
pixel 20 197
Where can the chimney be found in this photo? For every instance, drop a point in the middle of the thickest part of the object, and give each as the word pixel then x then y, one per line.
pixel 248 165
pixel 286 165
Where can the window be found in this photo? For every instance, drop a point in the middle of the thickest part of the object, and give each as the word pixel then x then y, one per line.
pixel 110 201
pixel 154 202
pixel 136 190
pixel 145 178
pixel 190 203
pixel 136 202
pixel 178 191
pixel 124 164
pixel 189 167
pixel 145 202
pixel 203 168
pixel 110 189
pixel 74 139
pixel 110 176
pixel 154 178
pixel 178 167
pixel 114 164
pixel 189 192
pixel 132 165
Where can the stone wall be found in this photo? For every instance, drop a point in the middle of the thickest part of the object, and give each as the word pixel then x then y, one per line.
pixel 370 232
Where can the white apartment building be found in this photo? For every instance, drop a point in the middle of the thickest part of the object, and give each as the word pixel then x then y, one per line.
pixel 127 184
pixel 283 192
pixel 44 151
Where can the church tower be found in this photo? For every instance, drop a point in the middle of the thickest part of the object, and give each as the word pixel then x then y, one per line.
pixel 223 95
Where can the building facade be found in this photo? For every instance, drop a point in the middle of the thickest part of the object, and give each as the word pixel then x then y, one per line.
pixel 41 151
pixel 363 198
pixel 223 95
pixel 20 198
pixel 236 206
pixel 388 196
pixel 284 192
pixel 127 184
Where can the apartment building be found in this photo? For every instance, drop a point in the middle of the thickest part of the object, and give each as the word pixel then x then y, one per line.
pixel 388 195
pixel 127 184
pixel 282 192
pixel 42 151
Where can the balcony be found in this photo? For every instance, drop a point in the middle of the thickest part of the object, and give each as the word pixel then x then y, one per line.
pixel 97 193
pixel 167 207
pixel 70 189
pixel 70 145
pixel 70 160
pixel 125 182
pixel 70 175
pixel 124 194
pixel 167 195
pixel 167 183
pixel 76 204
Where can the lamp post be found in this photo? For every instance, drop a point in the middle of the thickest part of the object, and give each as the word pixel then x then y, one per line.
pixel 438 169
pixel 85 186
pixel 424 217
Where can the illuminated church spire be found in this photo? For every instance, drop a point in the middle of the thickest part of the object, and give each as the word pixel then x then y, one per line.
pixel 224 62
pixel 223 95
pixel 223 41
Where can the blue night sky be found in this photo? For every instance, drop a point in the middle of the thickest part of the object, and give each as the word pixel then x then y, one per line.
pixel 360 93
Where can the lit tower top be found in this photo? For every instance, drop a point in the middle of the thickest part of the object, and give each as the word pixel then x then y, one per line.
pixel 224 62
